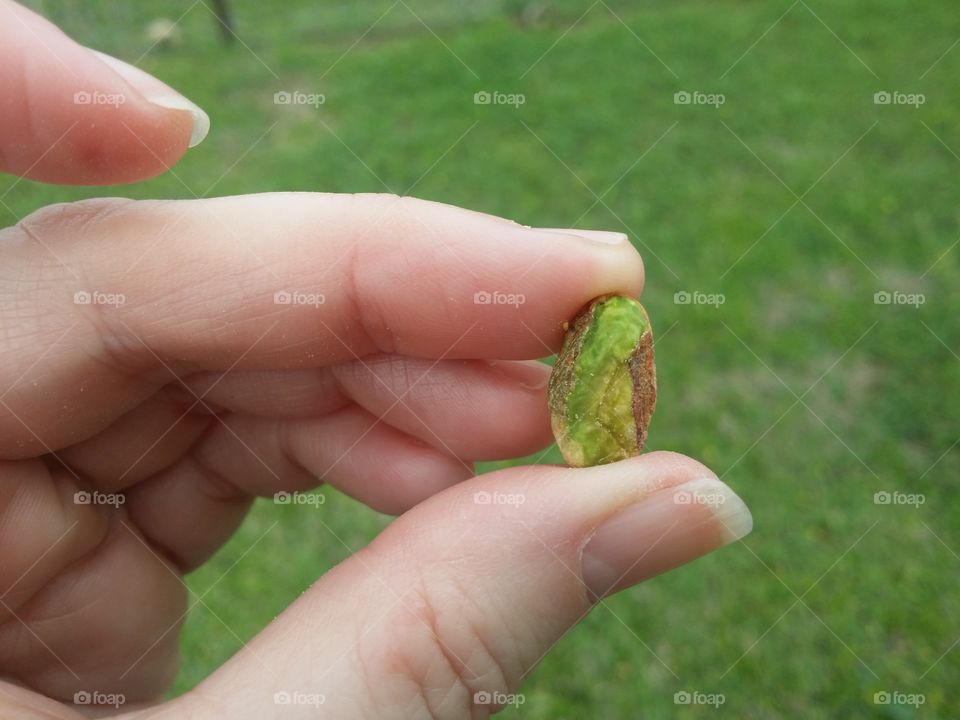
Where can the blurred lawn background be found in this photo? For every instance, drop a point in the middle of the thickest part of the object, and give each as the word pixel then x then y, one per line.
pixel 798 199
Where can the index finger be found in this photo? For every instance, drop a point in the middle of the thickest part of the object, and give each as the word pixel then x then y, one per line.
pixel 292 280
pixel 335 276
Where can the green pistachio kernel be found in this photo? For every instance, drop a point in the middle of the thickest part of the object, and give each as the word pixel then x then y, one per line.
pixel 603 388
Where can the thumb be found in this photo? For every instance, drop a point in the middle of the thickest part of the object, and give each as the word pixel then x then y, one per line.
pixel 445 612
pixel 71 115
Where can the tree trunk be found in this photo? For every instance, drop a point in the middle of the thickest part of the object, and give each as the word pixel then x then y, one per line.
pixel 221 9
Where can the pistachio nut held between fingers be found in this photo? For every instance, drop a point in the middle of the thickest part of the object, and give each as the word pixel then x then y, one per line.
pixel 603 388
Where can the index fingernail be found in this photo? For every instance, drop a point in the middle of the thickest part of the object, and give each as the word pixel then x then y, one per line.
pixel 159 93
pixel 603 237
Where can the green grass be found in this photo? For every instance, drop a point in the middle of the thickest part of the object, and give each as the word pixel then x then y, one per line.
pixel 877 384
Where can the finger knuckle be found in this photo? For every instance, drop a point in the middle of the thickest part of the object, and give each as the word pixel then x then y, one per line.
pixel 361 281
pixel 69 220
pixel 438 649
pixel 62 235
pixel 388 249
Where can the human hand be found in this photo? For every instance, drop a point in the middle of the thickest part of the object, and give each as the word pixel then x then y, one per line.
pixel 189 390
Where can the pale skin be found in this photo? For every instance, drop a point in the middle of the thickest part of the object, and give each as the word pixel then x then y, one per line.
pixel 200 393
